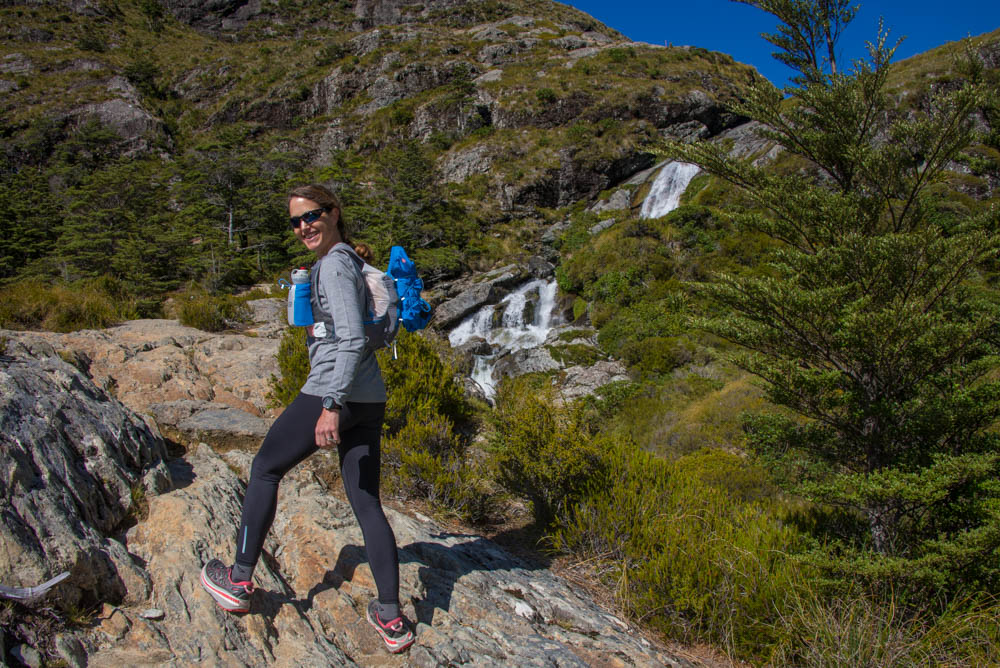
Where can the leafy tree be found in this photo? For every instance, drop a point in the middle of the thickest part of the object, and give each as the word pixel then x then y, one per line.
pixel 232 199
pixel 808 29
pixel 117 223
pixel 870 321
pixel 28 217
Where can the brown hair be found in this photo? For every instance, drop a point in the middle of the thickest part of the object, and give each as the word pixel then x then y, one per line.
pixel 326 199
pixel 365 252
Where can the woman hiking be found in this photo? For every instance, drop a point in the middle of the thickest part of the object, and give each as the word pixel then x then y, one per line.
pixel 341 405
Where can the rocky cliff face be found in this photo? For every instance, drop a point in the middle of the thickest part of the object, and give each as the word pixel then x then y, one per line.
pixel 89 488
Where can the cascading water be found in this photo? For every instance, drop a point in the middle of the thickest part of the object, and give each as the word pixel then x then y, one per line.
pixel 520 327
pixel 665 193
pixel 513 324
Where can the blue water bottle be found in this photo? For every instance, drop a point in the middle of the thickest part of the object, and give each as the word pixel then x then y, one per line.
pixel 299 305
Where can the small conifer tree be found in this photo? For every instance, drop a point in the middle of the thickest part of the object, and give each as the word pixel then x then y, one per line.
pixel 871 320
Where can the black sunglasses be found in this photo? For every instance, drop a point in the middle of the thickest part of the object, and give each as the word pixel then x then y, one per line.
pixel 309 217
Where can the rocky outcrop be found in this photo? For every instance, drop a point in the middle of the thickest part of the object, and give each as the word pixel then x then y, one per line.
pixel 746 141
pixel 76 458
pixel 214 16
pixel 620 199
pixel 371 13
pixel 572 354
pixel 470 601
pixel 384 84
pixel 146 362
pixel 196 385
pixel 125 115
pixel 16 63
pixel 457 166
pixel 76 463
pixel 578 381
pixel 134 126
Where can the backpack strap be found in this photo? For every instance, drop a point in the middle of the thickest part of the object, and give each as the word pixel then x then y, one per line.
pixel 319 315
pixel 359 263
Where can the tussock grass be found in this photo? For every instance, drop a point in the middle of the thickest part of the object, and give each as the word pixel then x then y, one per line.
pixel 61 307
pixel 212 313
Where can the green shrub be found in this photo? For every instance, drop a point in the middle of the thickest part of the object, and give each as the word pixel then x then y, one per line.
pixel 213 314
pixel 575 354
pixel 92 41
pixel 419 382
pixel 607 401
pixel 645 320
pixel 293 365
pixel 716 419
pixel 330 53
pixel 695 547
pixel 425 459
pixel 861 629
pixel 89 304
pixel 546 96
pixel 439 262
pixel 539 451
pixel 658 355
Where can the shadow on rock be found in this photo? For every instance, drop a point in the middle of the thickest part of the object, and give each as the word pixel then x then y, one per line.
pixel 442 564
pixel 181 472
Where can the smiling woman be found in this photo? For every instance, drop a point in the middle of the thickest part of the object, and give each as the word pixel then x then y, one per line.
pixel 342 405
pixel 316 217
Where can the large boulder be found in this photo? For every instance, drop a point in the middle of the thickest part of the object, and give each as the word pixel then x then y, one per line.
pixel 466 298
pixel 76 465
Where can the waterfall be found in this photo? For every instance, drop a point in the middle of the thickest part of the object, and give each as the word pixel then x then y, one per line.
pixel 665 193
pixel 523 323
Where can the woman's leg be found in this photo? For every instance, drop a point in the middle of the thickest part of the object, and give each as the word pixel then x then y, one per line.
pixel 360 437
pixel 290 439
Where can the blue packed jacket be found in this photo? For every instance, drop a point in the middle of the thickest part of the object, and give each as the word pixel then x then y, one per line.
pixel 415 313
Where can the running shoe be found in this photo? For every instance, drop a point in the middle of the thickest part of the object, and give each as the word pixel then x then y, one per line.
pixel 231 596
pixel 395 633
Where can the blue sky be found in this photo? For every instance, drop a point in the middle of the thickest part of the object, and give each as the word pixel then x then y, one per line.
pixel 733 28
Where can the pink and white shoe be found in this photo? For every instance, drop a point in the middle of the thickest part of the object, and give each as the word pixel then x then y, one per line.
pixel 395 633
pixel 231 596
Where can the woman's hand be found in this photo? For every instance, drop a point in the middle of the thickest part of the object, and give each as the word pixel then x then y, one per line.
pixel 328 429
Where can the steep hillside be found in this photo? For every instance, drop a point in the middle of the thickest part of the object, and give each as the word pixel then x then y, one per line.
pixel 440 120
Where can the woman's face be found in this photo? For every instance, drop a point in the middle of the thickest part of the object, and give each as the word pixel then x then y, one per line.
pixel 321 234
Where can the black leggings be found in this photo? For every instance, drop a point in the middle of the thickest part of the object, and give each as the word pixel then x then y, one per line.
pixel 290 440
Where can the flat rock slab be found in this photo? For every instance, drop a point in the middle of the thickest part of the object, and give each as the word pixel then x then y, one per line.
pixel 223 426
pixel 146 362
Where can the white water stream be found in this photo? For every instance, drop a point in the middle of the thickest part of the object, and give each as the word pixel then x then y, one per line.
pixel 513 332
pixel 509 331
pixel 665 193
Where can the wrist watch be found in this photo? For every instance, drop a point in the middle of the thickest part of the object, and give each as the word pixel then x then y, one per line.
pixel 330 405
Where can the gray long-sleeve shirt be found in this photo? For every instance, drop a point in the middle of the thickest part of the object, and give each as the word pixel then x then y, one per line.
pixel 340 365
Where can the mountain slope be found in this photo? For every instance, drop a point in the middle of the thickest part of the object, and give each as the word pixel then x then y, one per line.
pixel 494 108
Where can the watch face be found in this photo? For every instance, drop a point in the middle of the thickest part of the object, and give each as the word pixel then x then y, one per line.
pixel 329 404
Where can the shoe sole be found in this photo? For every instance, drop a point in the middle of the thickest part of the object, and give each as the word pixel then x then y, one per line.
pixel 394 646
pixel 224 599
